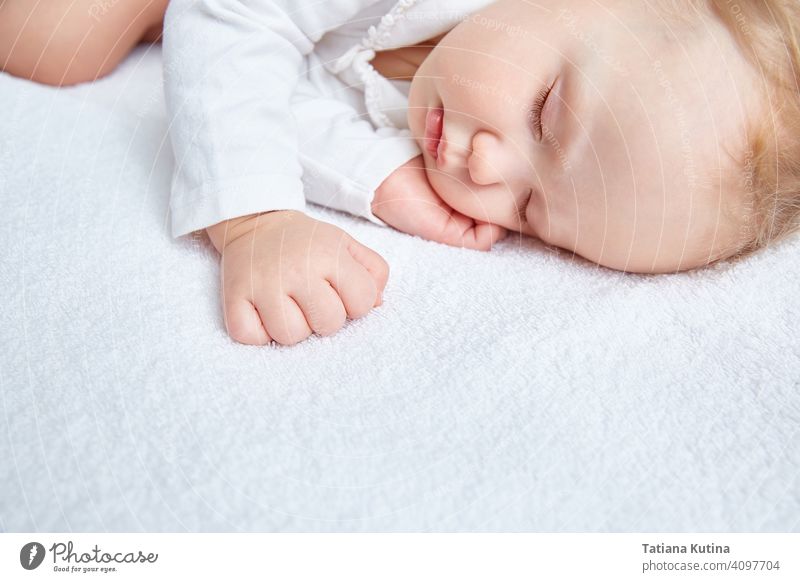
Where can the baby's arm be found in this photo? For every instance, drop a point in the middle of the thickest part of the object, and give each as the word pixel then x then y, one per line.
pixel 344 157
pixel 230 69
pixel 377 174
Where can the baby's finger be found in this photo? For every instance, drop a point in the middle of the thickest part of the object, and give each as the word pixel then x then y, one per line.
pixel 455 231
pixel 483 235
pixel 322 307
pixel 244 323
pixel 373 262
pixel 283 320
pixel 356 287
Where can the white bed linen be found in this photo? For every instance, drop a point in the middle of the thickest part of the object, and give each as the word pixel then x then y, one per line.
pixel 515 390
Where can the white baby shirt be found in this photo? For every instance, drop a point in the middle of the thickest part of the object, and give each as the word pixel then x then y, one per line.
pixel 274 102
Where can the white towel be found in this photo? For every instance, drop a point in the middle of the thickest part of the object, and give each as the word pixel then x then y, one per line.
pixel 516 390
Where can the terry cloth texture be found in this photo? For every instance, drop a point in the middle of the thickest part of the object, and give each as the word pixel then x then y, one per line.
pixel 515 390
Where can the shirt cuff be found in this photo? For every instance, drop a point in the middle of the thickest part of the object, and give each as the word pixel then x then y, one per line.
pixel 387 157
pixel 217 201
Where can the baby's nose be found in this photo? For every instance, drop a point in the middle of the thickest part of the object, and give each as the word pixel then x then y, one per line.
pixel 485 161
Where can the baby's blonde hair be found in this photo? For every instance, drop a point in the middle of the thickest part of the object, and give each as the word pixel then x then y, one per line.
pixel 767 32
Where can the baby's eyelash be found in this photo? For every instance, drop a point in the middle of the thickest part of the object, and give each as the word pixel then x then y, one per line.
pixel 535 112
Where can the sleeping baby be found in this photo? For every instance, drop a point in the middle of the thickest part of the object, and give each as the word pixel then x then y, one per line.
pixel 645 136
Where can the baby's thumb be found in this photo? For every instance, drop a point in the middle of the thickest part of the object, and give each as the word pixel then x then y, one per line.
pixel 373 263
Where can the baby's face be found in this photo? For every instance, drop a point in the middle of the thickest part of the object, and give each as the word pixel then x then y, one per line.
pixel 633 164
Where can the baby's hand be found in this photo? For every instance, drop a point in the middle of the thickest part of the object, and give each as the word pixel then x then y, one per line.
pixel 406 201
pixel 286 276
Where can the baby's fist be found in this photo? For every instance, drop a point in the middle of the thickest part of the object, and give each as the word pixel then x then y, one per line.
pixel 286 276
pixel 407 201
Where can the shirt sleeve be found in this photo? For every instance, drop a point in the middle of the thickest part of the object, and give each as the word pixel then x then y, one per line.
pixel 344 157
pixel 230 70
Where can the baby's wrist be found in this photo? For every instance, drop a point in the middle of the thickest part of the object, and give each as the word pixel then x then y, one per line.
pixel 224 233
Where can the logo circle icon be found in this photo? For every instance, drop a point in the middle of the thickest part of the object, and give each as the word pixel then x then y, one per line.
pixel 31 555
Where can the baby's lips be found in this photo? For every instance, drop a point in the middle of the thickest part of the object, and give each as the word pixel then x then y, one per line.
pixel 433 131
